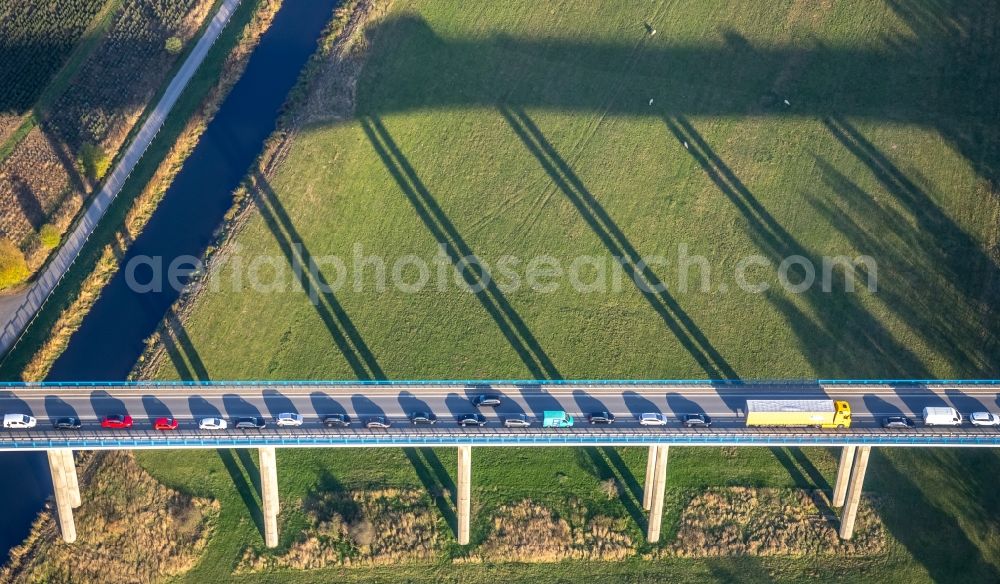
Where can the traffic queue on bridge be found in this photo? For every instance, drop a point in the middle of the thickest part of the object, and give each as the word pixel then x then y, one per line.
pixel 788 413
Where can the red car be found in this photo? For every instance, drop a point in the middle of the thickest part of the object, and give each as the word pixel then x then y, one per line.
pixel 117 421
pixel 165 424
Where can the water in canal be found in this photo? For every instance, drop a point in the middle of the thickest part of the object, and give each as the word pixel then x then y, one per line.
pixel 112 336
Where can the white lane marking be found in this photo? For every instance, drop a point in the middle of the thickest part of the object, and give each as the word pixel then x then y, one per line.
pixel 581 417
pixel 89 396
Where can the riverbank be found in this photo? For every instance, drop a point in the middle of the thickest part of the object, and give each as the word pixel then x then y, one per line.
pixel 106 345
pixel 325 92
pixel 128 524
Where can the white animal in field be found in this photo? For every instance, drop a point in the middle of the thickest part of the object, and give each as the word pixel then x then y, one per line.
pixel 651 101
pixel 788 102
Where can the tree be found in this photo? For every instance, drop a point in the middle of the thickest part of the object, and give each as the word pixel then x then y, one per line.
pixel 174 45
pixel 94 160
pixel 49 236
pixel 13 267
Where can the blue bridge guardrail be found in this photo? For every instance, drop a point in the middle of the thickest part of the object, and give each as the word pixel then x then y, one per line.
pixel 418 382
pixel 981 440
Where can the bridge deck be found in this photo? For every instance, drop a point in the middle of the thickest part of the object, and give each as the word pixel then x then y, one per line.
pixel 724 401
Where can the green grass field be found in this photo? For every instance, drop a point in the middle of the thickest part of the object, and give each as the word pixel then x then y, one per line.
pixel 939 513
pixel 527 130
pixel 608 177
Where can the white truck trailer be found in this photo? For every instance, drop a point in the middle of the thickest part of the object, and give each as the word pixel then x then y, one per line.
pixel 792 413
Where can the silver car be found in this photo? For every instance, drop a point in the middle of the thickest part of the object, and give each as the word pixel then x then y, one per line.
pixel 288 419
pixel 516 421
pixel 212 424
pixel 984 419
pixel 652 419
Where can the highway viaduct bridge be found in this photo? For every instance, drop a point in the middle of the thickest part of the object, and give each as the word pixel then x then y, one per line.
pixel 723 400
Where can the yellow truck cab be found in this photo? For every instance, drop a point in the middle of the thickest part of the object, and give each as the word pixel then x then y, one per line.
pixel 842 416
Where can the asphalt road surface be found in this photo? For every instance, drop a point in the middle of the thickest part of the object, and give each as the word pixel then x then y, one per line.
pixel 725 404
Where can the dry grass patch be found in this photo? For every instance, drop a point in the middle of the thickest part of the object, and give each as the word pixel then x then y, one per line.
pixel 13 268
pixel 740 521
pixel 71 317
pixel 9 122
pixel 130 528
pixel 529 532
pixel 39 184
pixel 332 89
pixel 366 528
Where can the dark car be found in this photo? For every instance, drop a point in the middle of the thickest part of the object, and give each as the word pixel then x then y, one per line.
pixel 117 421
pixel 901 422
pixel 491 400
pixel 423 418
pixel 696 420
pixel 472 420
pixel 380 422
pixel 516 421
pixel 602 418
pixel 337 421
pixel 67 424
pixel 250 423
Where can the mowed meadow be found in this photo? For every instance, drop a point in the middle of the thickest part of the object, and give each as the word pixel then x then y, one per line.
pixel 539 140
pixel 738 129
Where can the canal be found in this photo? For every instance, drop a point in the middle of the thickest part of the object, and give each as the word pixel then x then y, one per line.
pixel 112 336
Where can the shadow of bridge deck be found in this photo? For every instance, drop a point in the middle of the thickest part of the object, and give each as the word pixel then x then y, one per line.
pixel 937 77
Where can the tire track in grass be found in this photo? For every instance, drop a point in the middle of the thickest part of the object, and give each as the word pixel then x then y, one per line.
pixel 578 147
pixel 683 327
pixel 513 327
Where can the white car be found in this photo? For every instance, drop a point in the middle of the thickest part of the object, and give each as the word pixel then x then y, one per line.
pixel 984 419
pixel 288 419
pixel 19 421
pixel 652 419
pixel 212 424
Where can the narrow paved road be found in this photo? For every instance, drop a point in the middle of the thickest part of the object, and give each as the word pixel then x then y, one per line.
pixel 17 311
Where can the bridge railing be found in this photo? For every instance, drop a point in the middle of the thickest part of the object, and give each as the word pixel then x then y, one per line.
pixel 500 440
pixel 500 382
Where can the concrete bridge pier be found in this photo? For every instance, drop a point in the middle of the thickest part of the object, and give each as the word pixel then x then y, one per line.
pixel 647 485
pixel 71 476
pixel 66 489
pixel 855 485
pixel 843 475
pixel 659 486
pixel 464 492
pixel 269 494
